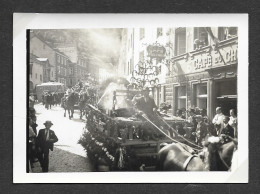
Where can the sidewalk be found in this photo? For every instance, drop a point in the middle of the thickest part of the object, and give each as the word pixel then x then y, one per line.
pixel 64 161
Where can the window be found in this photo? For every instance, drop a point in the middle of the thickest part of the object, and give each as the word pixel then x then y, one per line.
pixel 159 32
pixel 31 68
pixel 221 33
pixel 131 65
pixel 163 94
pixel 58 70
pixel 58 58
pixel 180 41
pixel 142 32
pixel 200 91
pixel 181 97
pixel 232 32
pixel 141 56
pixel 200 38
pixel 128 68
pixel 159 96
pixel 155 96
pixel 131 39
pixel 35 75
pixel 128 44
pixel 71 71
pixel 40 77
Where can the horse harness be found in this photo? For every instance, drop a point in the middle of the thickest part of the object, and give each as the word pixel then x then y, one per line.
pixel 187 161
pixel 223 161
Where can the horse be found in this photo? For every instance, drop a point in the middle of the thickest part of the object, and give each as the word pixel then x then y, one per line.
pixel 214 157
pixel 92 96
pixel 175 157
pixel 83 99
pixel 68 104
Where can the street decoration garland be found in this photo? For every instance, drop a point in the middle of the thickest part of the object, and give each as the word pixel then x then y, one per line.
pixel 103 148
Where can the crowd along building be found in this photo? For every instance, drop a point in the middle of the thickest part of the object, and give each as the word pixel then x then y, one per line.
pixel 197 69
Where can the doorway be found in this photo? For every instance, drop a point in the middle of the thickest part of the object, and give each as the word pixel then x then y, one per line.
pixel 226 94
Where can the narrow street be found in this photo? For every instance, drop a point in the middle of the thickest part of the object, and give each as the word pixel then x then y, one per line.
pixel 68 155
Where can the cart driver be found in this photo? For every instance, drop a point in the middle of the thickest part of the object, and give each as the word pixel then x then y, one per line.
pixel 145 103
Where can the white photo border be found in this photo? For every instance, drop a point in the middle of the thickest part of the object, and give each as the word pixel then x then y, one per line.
pixel 24 21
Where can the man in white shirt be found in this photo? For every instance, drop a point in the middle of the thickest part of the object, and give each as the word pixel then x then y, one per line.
pixel 218 120
pixel 45 140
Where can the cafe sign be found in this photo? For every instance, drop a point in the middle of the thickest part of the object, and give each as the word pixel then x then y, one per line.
pixel 205 61
pixel 156 51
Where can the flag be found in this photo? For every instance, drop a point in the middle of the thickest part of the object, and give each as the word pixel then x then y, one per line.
pixel 216 41
pixel 210 33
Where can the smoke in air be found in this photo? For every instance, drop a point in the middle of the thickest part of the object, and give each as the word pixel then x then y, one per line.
pixel 106 101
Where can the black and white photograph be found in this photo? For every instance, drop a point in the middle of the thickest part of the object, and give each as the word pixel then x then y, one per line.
pixel 118 98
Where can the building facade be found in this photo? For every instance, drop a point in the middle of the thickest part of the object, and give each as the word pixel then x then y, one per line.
pixel 62 64
pixel 40 71
pixel 77 65
pixel 199 68
pixel 36 73
pixel 42 49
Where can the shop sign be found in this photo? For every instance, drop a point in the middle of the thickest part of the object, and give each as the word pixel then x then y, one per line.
pixel 156 51
pixel 206 61
pixel 203 62
pixel 230 56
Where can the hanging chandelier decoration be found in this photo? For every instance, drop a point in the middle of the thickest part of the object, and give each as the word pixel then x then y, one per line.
pixel 145 73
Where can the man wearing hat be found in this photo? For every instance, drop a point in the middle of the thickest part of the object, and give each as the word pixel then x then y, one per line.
pixel 201 130
pixel 145 104
pixel 192 123
pixel 45 140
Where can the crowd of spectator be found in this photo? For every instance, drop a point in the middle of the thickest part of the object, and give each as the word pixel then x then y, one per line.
pixel 198 125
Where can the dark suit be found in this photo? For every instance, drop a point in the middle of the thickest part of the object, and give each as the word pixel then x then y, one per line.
pixel 145 105
pixel 44 146
pixel 228 130
pixel 201 132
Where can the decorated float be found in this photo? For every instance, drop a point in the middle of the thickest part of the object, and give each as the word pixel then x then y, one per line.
pixel 114 136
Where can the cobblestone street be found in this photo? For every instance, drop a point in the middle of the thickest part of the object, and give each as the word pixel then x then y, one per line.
pixel 68 155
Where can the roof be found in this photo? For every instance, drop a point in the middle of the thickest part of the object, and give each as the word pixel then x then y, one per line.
pixel 33 35
pixel 71 52
pixel 42 59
